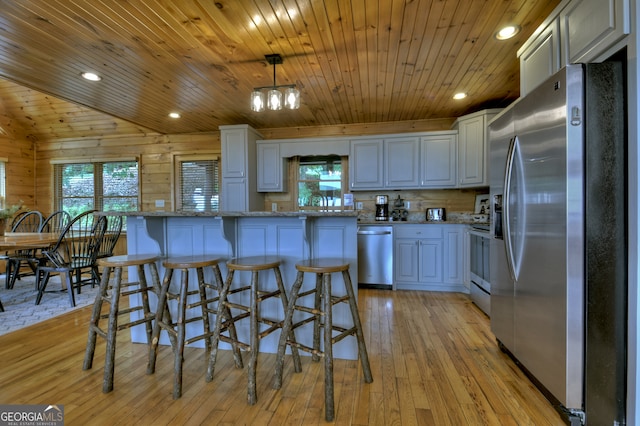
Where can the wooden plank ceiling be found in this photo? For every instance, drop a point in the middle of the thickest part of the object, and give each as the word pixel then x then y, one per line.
pixel 354 61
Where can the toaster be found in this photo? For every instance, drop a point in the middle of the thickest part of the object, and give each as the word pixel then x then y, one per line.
pixel 435 214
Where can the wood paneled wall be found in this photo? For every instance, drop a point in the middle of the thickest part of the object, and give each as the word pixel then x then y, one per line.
pixel 155 153
pixel 20 170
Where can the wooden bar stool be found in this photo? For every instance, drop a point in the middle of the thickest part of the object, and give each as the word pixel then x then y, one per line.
pixel 253 264
pixel 117 290
pixel 324 301
pixel 177 330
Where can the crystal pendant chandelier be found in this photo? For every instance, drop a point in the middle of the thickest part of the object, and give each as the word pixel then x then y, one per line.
pixel 275 99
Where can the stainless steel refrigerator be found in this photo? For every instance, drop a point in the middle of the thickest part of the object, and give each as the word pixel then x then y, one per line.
pixel 558 248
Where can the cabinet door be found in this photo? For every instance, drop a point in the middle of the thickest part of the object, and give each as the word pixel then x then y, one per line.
pixel 234 152
pixel 541 59
pixel 366 164
pixel 590 27
pixel 454 255
pixel 439 160
pixel 406 260
pixel 271 176
pixel 234 195
pixel 471 142
pixel 430 261
pixel 402 162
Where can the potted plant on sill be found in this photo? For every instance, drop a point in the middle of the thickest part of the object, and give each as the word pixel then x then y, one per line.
pixel 8 213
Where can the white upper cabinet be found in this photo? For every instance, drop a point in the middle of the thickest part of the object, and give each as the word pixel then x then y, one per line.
pixel 238 187
pixel 366 164
pixel 402 162
pixel 272 168
pixel 426 160
pixel 438 159
pixel 576 31
pixel 592 26
pixel 540 57
pixel 473 148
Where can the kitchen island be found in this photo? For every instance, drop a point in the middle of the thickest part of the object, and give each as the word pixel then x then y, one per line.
pixel 290 235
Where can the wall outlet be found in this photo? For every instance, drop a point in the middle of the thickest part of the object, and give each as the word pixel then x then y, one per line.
pixel 159 204
pixel 359 205
pixel 274 207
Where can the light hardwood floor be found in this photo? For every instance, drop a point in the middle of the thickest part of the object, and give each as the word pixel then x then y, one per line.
pixel 433 358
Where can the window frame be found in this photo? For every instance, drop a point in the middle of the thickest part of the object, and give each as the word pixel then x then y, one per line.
pixel 98 184
pixel 343 182
pixel 177 160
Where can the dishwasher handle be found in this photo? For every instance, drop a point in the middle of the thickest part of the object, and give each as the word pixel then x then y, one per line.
pixel 374 232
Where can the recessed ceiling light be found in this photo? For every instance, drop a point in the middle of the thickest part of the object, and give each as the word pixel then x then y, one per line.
pixel 91 76
pixel 507 32
pixel 460 95
pixel 174 114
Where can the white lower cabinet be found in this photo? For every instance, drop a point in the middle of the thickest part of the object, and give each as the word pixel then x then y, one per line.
pixel 429 257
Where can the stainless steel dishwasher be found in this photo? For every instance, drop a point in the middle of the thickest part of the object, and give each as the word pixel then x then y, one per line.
pixel 375 256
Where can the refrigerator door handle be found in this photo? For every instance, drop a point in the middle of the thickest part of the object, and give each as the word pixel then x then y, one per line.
pixel 506 211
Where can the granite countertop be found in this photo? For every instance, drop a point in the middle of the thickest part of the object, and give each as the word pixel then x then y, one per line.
pixel 419 218
pixel 337 213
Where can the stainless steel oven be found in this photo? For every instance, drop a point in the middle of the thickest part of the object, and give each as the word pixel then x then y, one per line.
pixel 480 273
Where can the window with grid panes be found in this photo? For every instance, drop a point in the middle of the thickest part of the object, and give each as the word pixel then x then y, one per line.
pixel 197 183
pixel 320 182
pixel 104 186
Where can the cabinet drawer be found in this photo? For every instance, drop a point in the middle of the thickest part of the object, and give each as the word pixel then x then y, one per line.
pixel 418 232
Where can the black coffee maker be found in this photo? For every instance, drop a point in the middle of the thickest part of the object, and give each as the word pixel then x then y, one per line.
pixel 382 207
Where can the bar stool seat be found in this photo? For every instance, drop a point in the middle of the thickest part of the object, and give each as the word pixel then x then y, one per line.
pixel 177 330
pixel 321 315
pixel 254 264
pixel 118 289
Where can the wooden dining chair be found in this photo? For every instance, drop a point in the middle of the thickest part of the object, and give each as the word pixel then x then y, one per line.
pixel 55 222
pixel 111 236
pixel 75 251
pixel 30 221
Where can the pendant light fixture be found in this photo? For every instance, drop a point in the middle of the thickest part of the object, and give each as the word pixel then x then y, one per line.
pixel 275 99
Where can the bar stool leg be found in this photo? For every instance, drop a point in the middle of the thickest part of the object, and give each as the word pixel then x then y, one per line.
pixel 109 363
pixel 285 304
pixel 362 348
pixel 95 317
pixel 181 328
pixel 144 287
pixel 215 339
pixel 317 323
pixel 160 313
pixel 328 348
pixel 286 329
pixel 253 340
pixel 205 314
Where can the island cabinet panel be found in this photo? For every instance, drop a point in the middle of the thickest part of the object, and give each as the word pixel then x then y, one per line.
pixel 290 236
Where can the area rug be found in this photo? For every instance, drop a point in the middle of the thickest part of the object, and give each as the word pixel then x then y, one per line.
pixel 21 311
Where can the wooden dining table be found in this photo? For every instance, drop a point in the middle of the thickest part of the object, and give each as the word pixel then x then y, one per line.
pixel 27 240
pixel 12 241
